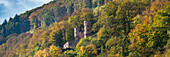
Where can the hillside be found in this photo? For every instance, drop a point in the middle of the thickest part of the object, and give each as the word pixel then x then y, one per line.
pixel 55 11
pixel 127 28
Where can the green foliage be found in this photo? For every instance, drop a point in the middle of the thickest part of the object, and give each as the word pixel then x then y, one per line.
pixel 106 16
pixel 87 3
pixel 56 38
pixel 14 26
pixel 69 53
pixel 86 47
pixel 104 34
pixel 113 41
pixel 120 28
pixel 16 18
pixel 2 39
pixel 150 34
pixel 52 51
pixel 4 23
pixel 87 51
pixel 168 43
pixel 83 42
pixel 55 51
pixel 165 54
pixel 134 54
pixel 117 46
pixel 61 33
pixel 35 49
pixel 78 17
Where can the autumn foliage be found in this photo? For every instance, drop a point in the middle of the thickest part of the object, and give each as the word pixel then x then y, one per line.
pixel 119 28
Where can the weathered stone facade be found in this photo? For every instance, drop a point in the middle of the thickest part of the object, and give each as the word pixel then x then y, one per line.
pixel 86 28
pixel 67 45
pixel 78 35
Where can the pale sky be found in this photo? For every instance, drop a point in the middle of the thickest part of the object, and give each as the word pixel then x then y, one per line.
pixel 9 8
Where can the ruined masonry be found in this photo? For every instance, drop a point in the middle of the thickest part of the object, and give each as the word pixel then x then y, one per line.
pixel 78 35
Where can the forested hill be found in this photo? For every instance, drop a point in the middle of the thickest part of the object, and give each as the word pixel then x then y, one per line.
pixel 43 16
pixel 126 28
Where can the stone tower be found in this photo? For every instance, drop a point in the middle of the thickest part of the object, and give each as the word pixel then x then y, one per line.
pixel 76 33
pixel 86 28
pixel 79 34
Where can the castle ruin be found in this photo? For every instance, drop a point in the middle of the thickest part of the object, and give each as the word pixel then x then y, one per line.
pixel 86 28
pixel 78 35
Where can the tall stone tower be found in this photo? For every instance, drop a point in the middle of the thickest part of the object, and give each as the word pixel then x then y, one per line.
pixel 86 28
pixel 76 33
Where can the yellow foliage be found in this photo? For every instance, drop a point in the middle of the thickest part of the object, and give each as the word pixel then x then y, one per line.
pixel 89 50
pixel 55 51
pixel 43 53
pixel 166 54
pixel 104 34
pixel 149 34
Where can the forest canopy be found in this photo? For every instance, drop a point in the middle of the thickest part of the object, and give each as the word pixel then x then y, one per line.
pixel 119 28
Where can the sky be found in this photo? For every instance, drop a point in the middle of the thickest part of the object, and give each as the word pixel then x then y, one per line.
pixel 9 8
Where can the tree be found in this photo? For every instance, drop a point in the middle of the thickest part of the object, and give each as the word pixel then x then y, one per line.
pixel 87 3
pixel 151 33
pixel 5 22
pixel 2 39
pixel 127 11
pixel 56 38
pixel 78 17
pixel 70 53
pixel 106 17
pixel 55 51
pixel 87 51
pixel 52 51
pixel 103 35
pixel 16 18
pixel 10 19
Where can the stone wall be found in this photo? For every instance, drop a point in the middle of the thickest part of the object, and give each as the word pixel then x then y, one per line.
pixel 78 35
pixel 86 28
